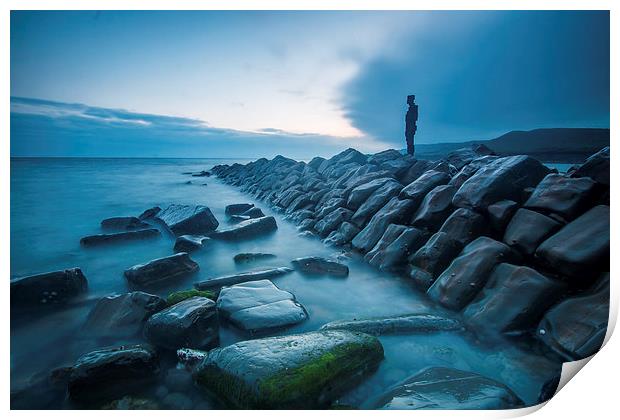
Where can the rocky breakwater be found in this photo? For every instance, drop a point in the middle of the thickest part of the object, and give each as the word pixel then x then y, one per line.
pixel 512 245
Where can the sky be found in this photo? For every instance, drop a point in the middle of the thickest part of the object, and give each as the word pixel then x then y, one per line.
pixel 261 83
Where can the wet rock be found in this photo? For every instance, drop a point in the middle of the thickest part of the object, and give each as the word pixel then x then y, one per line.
pixel 320 266
pixel 149 213
pixel 464 225
pixel 419 188
pixel 316 162
pixel 181 295
pixel 391 233
pixel 108 238
pixel 188 220
pixel 502 179
pixel 247 257
pixel 421 278
pixel 395 211
pixel 595 167
pixel 513 300
pixel 500 214
pixel 258 274
pixel 190 323
pixel 247 229
pixel 122 315
pixel 201 174
pixel 51 288
pixel 297 371
pixel 580 247
pixel 131 403
pixel 528 229
pixel 306 225
pixel 302 202
pixel 112 372
pixel 189 358
pixel 161 270
pixel 361 193
pixel 559 194
pixel 468 170
pixel 329 206
pixel 440 388
pixel 258 306
pixel 395 255
pixel 375 202
pixel 189 243
pixel 123 223
pixel 436 254
pixel 345 234
pixel 461 157
pixel 435 208
pixel 410 323
pixel 469 272
pixel 253 213
pixel 415 171
pixel 384 156
pixel 332 221
pixel 576 328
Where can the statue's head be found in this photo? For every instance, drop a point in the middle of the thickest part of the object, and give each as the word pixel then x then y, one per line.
pixel 411 100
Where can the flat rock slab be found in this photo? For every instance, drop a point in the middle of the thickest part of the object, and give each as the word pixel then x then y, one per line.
pixel 258 274
pixel 161 270
pixel 48 288
pixel 247 229
pixel 190 323
pixel 112 372
pixel 302 371
pixel 247 257
pixel 189 243
pixel 123 223
pixel 240 208
pixel 188 220
pixel 149 213
pixel 259 306
pixel 107 238
pixel 401 324
pixel 440 388
pixel 320 266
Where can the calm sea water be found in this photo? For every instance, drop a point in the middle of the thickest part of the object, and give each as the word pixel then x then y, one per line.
pixel 55 202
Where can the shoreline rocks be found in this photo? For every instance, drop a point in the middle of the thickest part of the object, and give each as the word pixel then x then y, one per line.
pixel 51 288
pixel 106 238
pixel 258 274
pixel 247 229
pixel 188 220
pixel 401 324
pixel 161 270
pixel 123 223
pixel 320 266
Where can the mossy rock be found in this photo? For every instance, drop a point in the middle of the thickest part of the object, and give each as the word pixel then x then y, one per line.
pixel 176 297
pixel 302 371
pixel 131 403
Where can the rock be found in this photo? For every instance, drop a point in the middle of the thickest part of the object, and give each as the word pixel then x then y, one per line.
pixel 131 403
pixel 435 208
pixel 345 234
pixel 189 243
pixel 401 324
pixel 189 358
pixel 188 220
pixel 528 229
pixel 500 214
pixel 395 255
pixel 123 223
pixel 302 371
pixel 419 188
pixel 238 218
pixel 320 266
pixel 247 229
pixel 258 306
pixel 384 156
pixel 112 372
pixel 149 213
pixel 361 193
pixel 332 221
pixel 579 247
pixel 233 209
pixel 51 288
pixel 436 254
pixel 161 270
pixel 503 179
pixel 181 295
pixel 107 238
pixel 513 300
pixel 576 327
pixel 461 157
pixel 177 401
pixel 468 170
pixel 395 211
pixel 201 174
pixel 595 167
pixel 391 233
pixel 253 213
pixel 190 323
pixel 468 273
pixel 247 257
pixel 568 197
pixel 375 202
pixel 122 315
pixel 329 206
pixel 440 388
pixel 258 274
pixel 415 171
pixel 421 278
pixel 464 225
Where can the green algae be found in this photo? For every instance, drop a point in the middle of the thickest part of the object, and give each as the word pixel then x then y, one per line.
pixel 176 297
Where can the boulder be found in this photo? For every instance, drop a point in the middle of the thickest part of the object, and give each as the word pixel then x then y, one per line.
pixel 562 195
pixel 360 194
pixel 384 156
pixel 503 179
pixel 595 167
pixel 248 229
pixel 107 238
pixel 468 170
pixel 441 388
pixel 189 243
pixel 306 225
pixel 528 229
pixel 320 266
pixel 513 300
pixel 436 254
pixel 415 171
pixel 258 274
pixel 302 371
pixel 131 403
pixel 247 257
pixel 400 324
pixel 345 234
pixel 391 233
pixel 419 188
pixel 464 225
pixel 422 279
pixel 375 202
pixel 188 220
pixel 51 288
pixel 395 211
pixel 332 221
pixel 253 213
pixel 576 327
pixel 469 272
pixel 178 296
pixel 112 372
pixel 123 223
pixel 395 256
pixel 190 323
pixel 122 315
pixel 435 208
pixel 161 270
pixel 258 306
pixel 580 247
pixel 500 214
pixel 329 206
pixel 461 157
pixel 149 213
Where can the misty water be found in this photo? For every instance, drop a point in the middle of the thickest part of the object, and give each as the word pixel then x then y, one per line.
pixel 55 202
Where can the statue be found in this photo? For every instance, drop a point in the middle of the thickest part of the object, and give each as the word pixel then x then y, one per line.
pixel 411 123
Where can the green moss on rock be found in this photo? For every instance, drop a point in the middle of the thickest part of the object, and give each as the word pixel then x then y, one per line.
pixel 176 297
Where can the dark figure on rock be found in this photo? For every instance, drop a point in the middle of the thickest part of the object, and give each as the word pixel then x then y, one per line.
pixel 411 125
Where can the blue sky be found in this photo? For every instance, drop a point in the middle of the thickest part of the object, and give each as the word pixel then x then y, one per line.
pixel 248 84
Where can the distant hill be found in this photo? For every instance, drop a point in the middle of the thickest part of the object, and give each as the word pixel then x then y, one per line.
pixel 560 145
